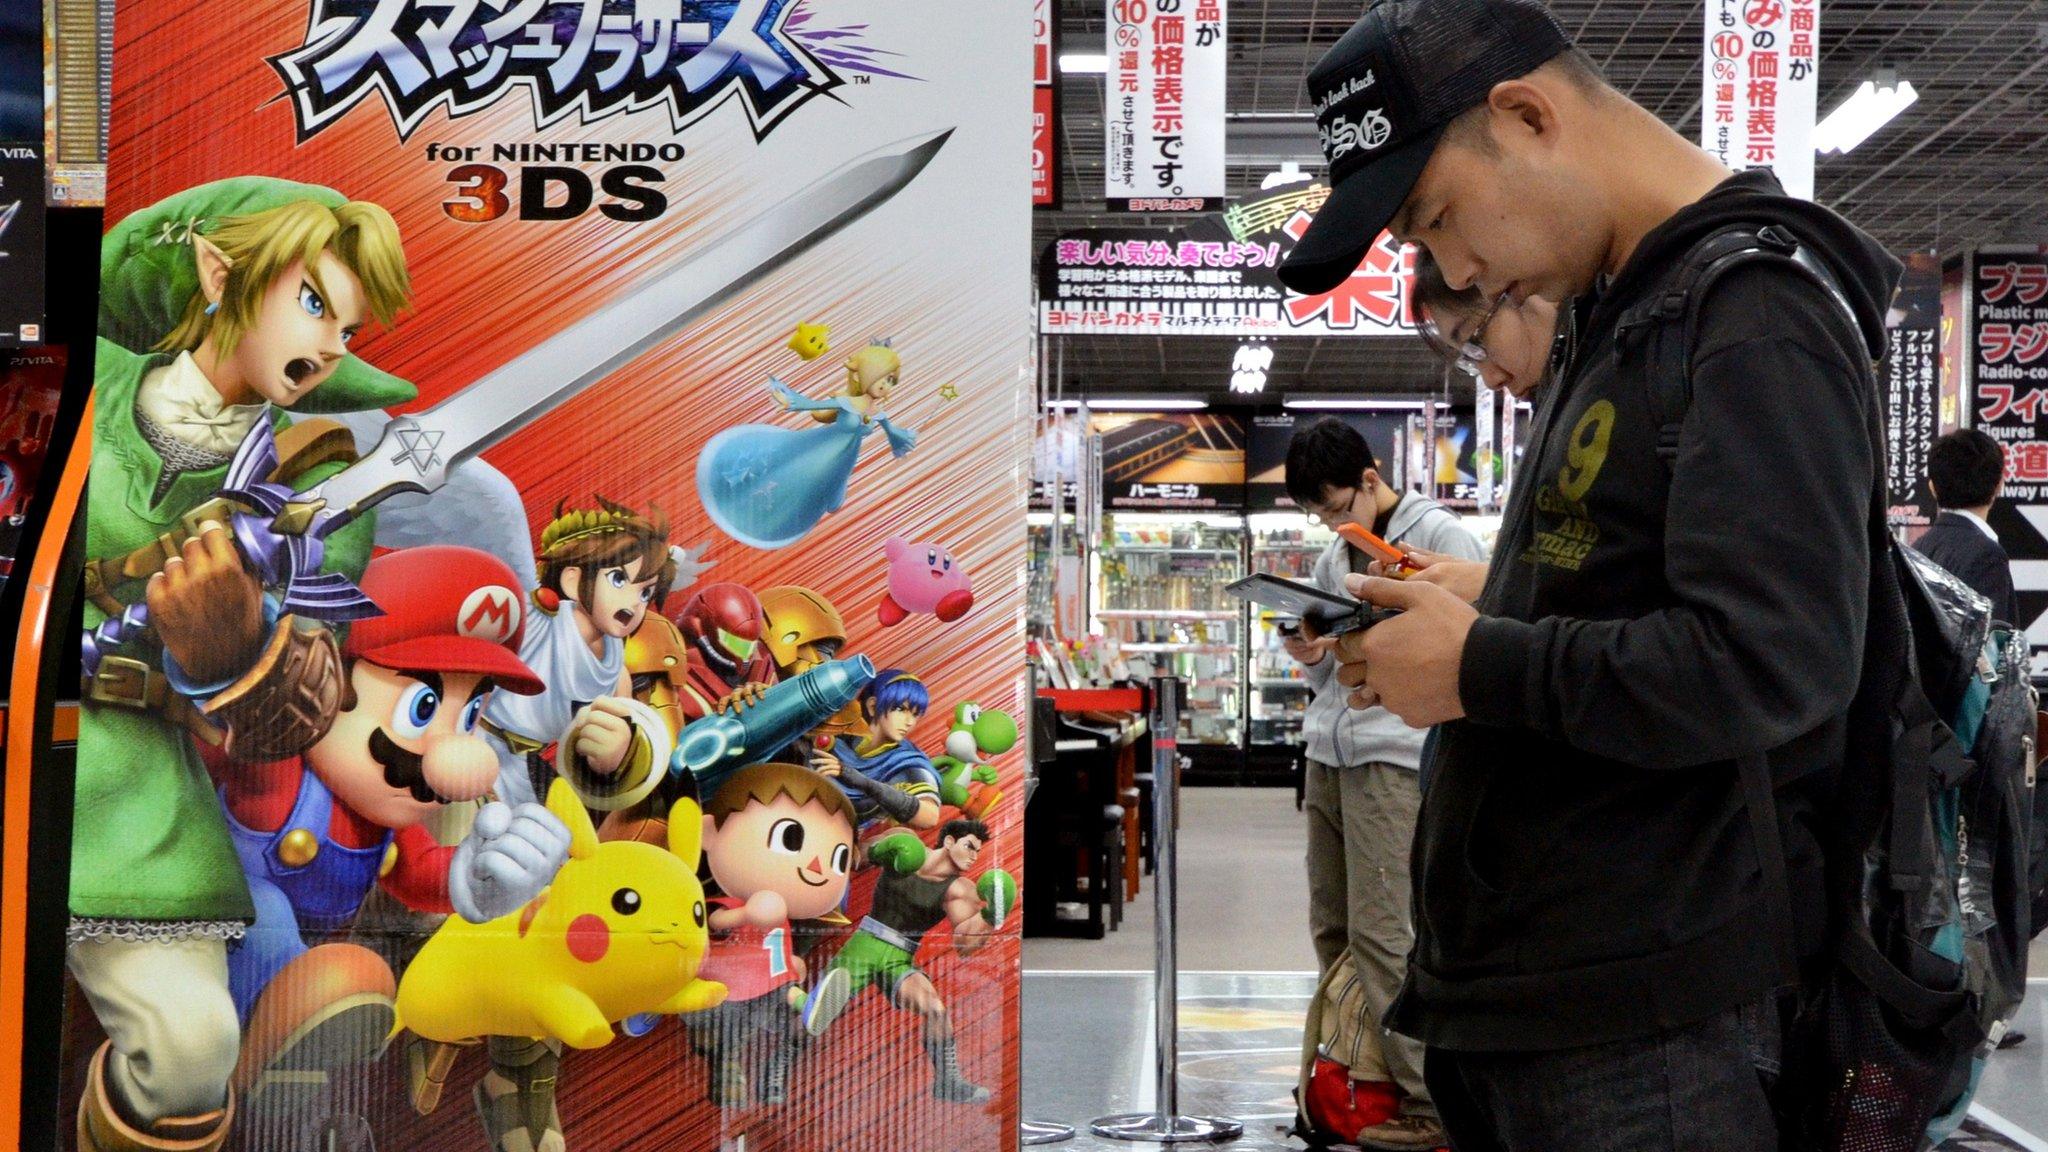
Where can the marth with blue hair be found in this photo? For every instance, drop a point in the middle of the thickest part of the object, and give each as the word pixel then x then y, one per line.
pixel 885 775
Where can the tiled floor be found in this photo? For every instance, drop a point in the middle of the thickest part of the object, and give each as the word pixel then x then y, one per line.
pixel 1088 1052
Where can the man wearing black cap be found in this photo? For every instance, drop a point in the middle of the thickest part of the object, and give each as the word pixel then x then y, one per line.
pixel 1596 961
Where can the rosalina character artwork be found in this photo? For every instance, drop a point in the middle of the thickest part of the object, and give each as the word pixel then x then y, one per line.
pixel 506 654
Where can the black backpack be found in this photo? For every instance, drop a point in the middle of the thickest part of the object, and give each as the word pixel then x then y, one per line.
pixel 1927 832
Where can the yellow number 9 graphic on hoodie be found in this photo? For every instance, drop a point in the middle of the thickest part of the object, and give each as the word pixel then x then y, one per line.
pixel 1586 452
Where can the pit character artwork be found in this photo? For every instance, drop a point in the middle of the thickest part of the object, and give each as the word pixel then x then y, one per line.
pixel 778 844
pixel 804 631
pixel 600 569
pixel 966 780
pixel 884 774
pixel 920 889
pixel 220 307
pixel 767 486
pixel 316 833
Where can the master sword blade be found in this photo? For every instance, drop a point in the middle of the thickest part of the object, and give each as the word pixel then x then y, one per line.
pixel 416 452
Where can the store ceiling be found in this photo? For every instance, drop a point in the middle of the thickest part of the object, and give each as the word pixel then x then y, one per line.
pixel 1966 165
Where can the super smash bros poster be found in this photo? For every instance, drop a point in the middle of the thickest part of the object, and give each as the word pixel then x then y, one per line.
pixel 553 621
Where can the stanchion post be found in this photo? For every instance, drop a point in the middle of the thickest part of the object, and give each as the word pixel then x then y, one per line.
pixel 1164 1124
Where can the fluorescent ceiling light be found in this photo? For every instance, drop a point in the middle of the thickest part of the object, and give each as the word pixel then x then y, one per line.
pixel 1062 403
pixel 1871 107
pixel 1146 404
pixel 1344 403
pixel 1080 62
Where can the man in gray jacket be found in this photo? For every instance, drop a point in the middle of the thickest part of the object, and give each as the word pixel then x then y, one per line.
pixel 1361 794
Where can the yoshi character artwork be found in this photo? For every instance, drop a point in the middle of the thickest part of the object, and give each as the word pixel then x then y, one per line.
pixel 220 307
pixel 966 780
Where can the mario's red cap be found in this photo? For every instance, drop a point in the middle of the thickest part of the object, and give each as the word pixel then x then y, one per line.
pixel 446 609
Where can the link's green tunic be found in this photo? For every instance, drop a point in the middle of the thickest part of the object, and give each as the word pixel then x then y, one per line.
pixel 148 842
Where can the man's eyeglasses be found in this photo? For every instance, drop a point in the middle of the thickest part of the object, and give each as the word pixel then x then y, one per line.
pixel 1467 354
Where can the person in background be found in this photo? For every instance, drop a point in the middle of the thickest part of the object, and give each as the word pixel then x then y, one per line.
pixel 1508 347
pixel 1361 794
pixel 1504 346
pixel 1966 472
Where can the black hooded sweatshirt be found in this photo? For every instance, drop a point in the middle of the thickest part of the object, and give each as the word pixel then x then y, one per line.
pixel 1584 868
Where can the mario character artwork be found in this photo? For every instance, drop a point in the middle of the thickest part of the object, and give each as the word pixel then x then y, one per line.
pixel 920 889
pixel 966 780
pixel 220 307
pixel 315 833
pixel 778 844
pixel 620 931
pixel 923 579
pixel 767 486
pixel 884 774
pixel 600 569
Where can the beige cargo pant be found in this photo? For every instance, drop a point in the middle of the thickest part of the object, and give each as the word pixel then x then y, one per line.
pixel 1361 824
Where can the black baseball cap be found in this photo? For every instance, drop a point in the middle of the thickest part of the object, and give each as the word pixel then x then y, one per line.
pixel 1383 95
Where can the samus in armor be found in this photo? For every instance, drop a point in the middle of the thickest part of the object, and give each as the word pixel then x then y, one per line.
pixel 804 631
pixel 884 774
pixel 920 889
pixel 220 307
pixel 778 845
pixel 316 832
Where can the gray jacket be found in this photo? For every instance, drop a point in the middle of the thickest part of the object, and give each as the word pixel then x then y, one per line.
pixel 1336 733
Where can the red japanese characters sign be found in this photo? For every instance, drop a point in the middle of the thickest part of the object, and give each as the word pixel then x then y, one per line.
pixel 2011 338
pixel 1045 179
pixel 1216 277
pixel 1761 77
pixel 2008 339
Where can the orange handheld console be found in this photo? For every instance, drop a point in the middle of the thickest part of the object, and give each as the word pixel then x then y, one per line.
pixel 1397 562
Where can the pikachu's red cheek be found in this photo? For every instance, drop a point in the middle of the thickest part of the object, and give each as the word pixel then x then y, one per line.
pixel 589 938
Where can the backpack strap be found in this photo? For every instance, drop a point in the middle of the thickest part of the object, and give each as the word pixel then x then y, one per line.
pixel 1662 328
pixel 1659 332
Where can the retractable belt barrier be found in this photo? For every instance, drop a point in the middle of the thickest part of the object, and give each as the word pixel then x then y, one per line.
pixel 1164 1124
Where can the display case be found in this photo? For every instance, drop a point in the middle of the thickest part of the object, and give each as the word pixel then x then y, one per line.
pixel 1277 688
pixel 1161 595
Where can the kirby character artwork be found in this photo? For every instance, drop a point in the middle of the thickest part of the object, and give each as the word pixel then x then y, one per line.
pixel 923 578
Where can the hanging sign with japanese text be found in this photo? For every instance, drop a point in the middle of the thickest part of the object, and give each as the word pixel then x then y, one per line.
pixel 2009 336
pixel 1912 395
pixel 1762 78
pixel 1162 111
pixel 1215 277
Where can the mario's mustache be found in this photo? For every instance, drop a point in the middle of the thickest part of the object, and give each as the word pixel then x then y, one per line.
pixel 403 769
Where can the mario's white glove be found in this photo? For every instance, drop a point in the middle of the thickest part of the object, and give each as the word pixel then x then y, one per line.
pixel 509 856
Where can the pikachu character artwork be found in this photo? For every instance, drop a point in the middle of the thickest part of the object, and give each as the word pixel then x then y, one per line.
pixel 620 932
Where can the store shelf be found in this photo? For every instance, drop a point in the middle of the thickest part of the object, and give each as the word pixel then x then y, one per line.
pixel 1280 682
pixel 1205 649
pixel 1164 614
pixel 1148 550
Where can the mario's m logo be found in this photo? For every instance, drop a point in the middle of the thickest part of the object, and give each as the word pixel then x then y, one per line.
pixel 489 613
